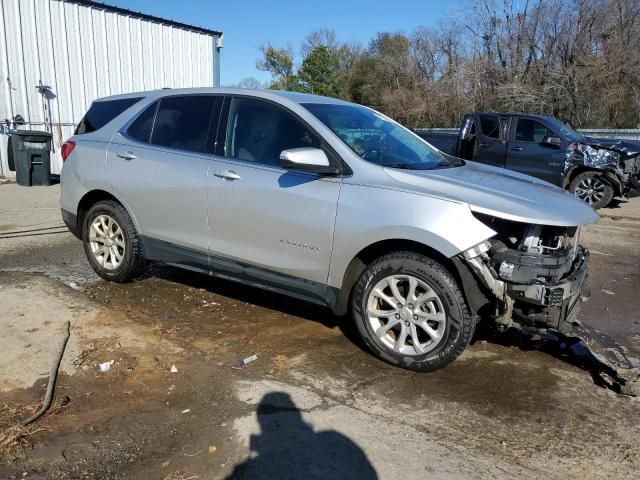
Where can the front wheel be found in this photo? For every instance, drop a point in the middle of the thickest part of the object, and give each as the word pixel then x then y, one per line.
pixel 592 189
pixel 410 312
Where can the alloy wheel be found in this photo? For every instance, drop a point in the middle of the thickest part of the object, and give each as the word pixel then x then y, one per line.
pixel 591 190
pixel 406 315
pixel 107 242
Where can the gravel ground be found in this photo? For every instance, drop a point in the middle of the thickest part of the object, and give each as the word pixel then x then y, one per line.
pixel 313 404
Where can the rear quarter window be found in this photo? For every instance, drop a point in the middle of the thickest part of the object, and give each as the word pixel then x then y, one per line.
pixel 102 112
pixel 140 128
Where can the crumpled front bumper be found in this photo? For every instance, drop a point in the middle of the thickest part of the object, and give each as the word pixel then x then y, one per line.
pixel 553 304
pixel 536 302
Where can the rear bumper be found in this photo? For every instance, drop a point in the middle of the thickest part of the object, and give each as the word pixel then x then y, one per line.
pixel 71 221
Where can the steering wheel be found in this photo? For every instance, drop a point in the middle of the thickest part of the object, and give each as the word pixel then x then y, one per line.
pixel 377 151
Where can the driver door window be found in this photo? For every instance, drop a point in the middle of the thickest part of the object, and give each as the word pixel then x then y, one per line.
pixel 531 131
pixel 258 132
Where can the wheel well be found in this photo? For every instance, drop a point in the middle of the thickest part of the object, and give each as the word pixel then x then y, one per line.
pixel 573 173
pixel 87 202
pixel 376 250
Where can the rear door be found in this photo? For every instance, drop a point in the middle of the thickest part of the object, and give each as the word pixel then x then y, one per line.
pixel 261 214
pixel 491 143
pixel 529 154
pixel 158 165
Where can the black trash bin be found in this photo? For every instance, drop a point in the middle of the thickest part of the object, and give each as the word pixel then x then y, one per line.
pixel 31 152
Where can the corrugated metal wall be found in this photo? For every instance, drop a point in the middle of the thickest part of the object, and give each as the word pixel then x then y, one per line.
pixel 84 53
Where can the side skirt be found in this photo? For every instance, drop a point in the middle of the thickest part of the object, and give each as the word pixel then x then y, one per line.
pixel 197 261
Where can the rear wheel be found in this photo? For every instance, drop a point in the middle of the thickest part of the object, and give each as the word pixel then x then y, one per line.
pixel 592 188
pixel 111 242
pixel 411 313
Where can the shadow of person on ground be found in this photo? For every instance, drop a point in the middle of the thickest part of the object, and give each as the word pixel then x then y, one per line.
pixel 289 448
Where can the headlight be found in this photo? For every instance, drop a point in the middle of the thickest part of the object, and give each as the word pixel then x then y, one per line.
pixel 598 156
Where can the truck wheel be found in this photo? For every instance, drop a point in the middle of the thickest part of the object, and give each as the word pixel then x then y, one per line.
pixel 411 313
pixel 592 188
pixel 111 243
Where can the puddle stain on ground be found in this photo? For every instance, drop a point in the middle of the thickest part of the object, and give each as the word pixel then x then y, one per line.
pixel 492 390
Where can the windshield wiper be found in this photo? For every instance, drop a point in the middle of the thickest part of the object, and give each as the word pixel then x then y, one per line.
pixel 406 166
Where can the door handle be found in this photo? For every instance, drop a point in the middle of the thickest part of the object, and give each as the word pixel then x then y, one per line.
pixel 228 175
pixel 126 155
pixel 517 149
pixel 483 145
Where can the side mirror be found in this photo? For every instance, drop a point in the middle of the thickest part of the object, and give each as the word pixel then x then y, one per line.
pixel 552 141
pixel 307 159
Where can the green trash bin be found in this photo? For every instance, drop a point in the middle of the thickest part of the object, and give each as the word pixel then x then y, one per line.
pixel 31 152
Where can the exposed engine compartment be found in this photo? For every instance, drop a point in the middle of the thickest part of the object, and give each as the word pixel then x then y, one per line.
pixel 529 254
pixel 534 278
pixel 538 272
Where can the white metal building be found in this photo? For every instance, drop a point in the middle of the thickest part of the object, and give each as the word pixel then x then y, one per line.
pixel 57 56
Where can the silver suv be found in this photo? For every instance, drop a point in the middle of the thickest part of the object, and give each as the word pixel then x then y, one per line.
pixel 326 201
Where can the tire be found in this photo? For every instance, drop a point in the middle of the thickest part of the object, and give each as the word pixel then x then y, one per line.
pixel 592 188
pixel 429 355
pixel 130 262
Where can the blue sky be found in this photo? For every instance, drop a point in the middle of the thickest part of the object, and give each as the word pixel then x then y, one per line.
pixel 248 24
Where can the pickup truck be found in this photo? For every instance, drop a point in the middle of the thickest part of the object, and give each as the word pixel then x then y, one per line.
pixel 593 169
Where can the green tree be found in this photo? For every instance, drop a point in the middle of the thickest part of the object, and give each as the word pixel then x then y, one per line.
pixel 318 73
pixel 279 63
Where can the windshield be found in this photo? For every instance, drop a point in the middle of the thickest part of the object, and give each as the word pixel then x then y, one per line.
pixel 566 130
pixel 376 138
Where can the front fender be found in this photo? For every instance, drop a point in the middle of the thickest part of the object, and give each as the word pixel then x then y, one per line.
pixel 368 215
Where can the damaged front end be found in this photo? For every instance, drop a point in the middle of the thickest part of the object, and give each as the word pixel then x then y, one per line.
pixel 618 160
pixel 534 276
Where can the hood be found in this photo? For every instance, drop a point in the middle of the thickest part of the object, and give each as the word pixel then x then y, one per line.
pixel 629 149
pixel 500 193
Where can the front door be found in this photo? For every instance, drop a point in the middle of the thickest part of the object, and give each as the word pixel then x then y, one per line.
pixel 529 154
pixel 262 215
pixel 160 170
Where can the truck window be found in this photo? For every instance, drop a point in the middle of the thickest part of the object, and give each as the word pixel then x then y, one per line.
pixel 102 112
pixel 490 126
pixel 528 130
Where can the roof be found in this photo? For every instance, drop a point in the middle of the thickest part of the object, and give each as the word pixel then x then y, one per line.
pixel 509 114
pixel 294 97
pixel 144 16
pixel 298 97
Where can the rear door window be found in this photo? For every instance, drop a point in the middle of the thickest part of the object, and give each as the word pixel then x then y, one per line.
pixel 490 126
pixel 140 128
pixel 184 122
pixel 102 112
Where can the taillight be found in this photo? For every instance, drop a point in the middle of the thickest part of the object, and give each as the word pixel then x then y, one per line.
pixel 67 148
